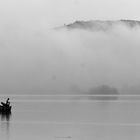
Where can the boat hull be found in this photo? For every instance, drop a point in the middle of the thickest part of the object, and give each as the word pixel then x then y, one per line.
pixel 5 110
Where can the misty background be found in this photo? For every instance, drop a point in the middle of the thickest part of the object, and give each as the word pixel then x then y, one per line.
pixel 35 58
pixel 69 61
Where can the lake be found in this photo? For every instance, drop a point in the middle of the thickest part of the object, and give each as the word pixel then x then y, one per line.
pixel 71 117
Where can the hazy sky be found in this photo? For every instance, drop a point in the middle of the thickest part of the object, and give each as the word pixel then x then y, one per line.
pixel 50 13
pixel 34 59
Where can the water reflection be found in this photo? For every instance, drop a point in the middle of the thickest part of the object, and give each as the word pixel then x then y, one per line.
pixel 104 98
pixel 5 116
pixel 5 125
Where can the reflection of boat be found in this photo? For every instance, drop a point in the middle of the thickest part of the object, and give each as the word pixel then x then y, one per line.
pixel 5 109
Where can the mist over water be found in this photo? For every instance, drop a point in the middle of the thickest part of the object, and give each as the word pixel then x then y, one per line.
pixel 35 61
pixel 77 81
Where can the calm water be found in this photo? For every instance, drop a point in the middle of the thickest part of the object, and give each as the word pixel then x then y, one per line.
pixel 71 117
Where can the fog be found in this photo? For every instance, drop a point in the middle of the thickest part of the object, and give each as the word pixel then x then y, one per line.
pixel 36 61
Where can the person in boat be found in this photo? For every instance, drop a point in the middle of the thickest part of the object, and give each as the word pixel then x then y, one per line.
pixel 7 101
pixel 7 104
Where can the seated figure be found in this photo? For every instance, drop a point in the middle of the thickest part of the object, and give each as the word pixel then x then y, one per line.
pixel 7 104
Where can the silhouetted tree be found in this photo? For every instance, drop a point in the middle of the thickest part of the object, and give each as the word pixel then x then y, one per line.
pixel 102 91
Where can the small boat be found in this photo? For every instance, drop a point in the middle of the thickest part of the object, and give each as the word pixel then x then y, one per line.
pixel 5 108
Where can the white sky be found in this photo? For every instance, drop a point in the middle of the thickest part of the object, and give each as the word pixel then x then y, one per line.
pixel 57 12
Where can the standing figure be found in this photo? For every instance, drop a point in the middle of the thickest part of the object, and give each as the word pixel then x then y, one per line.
pixel 7 102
